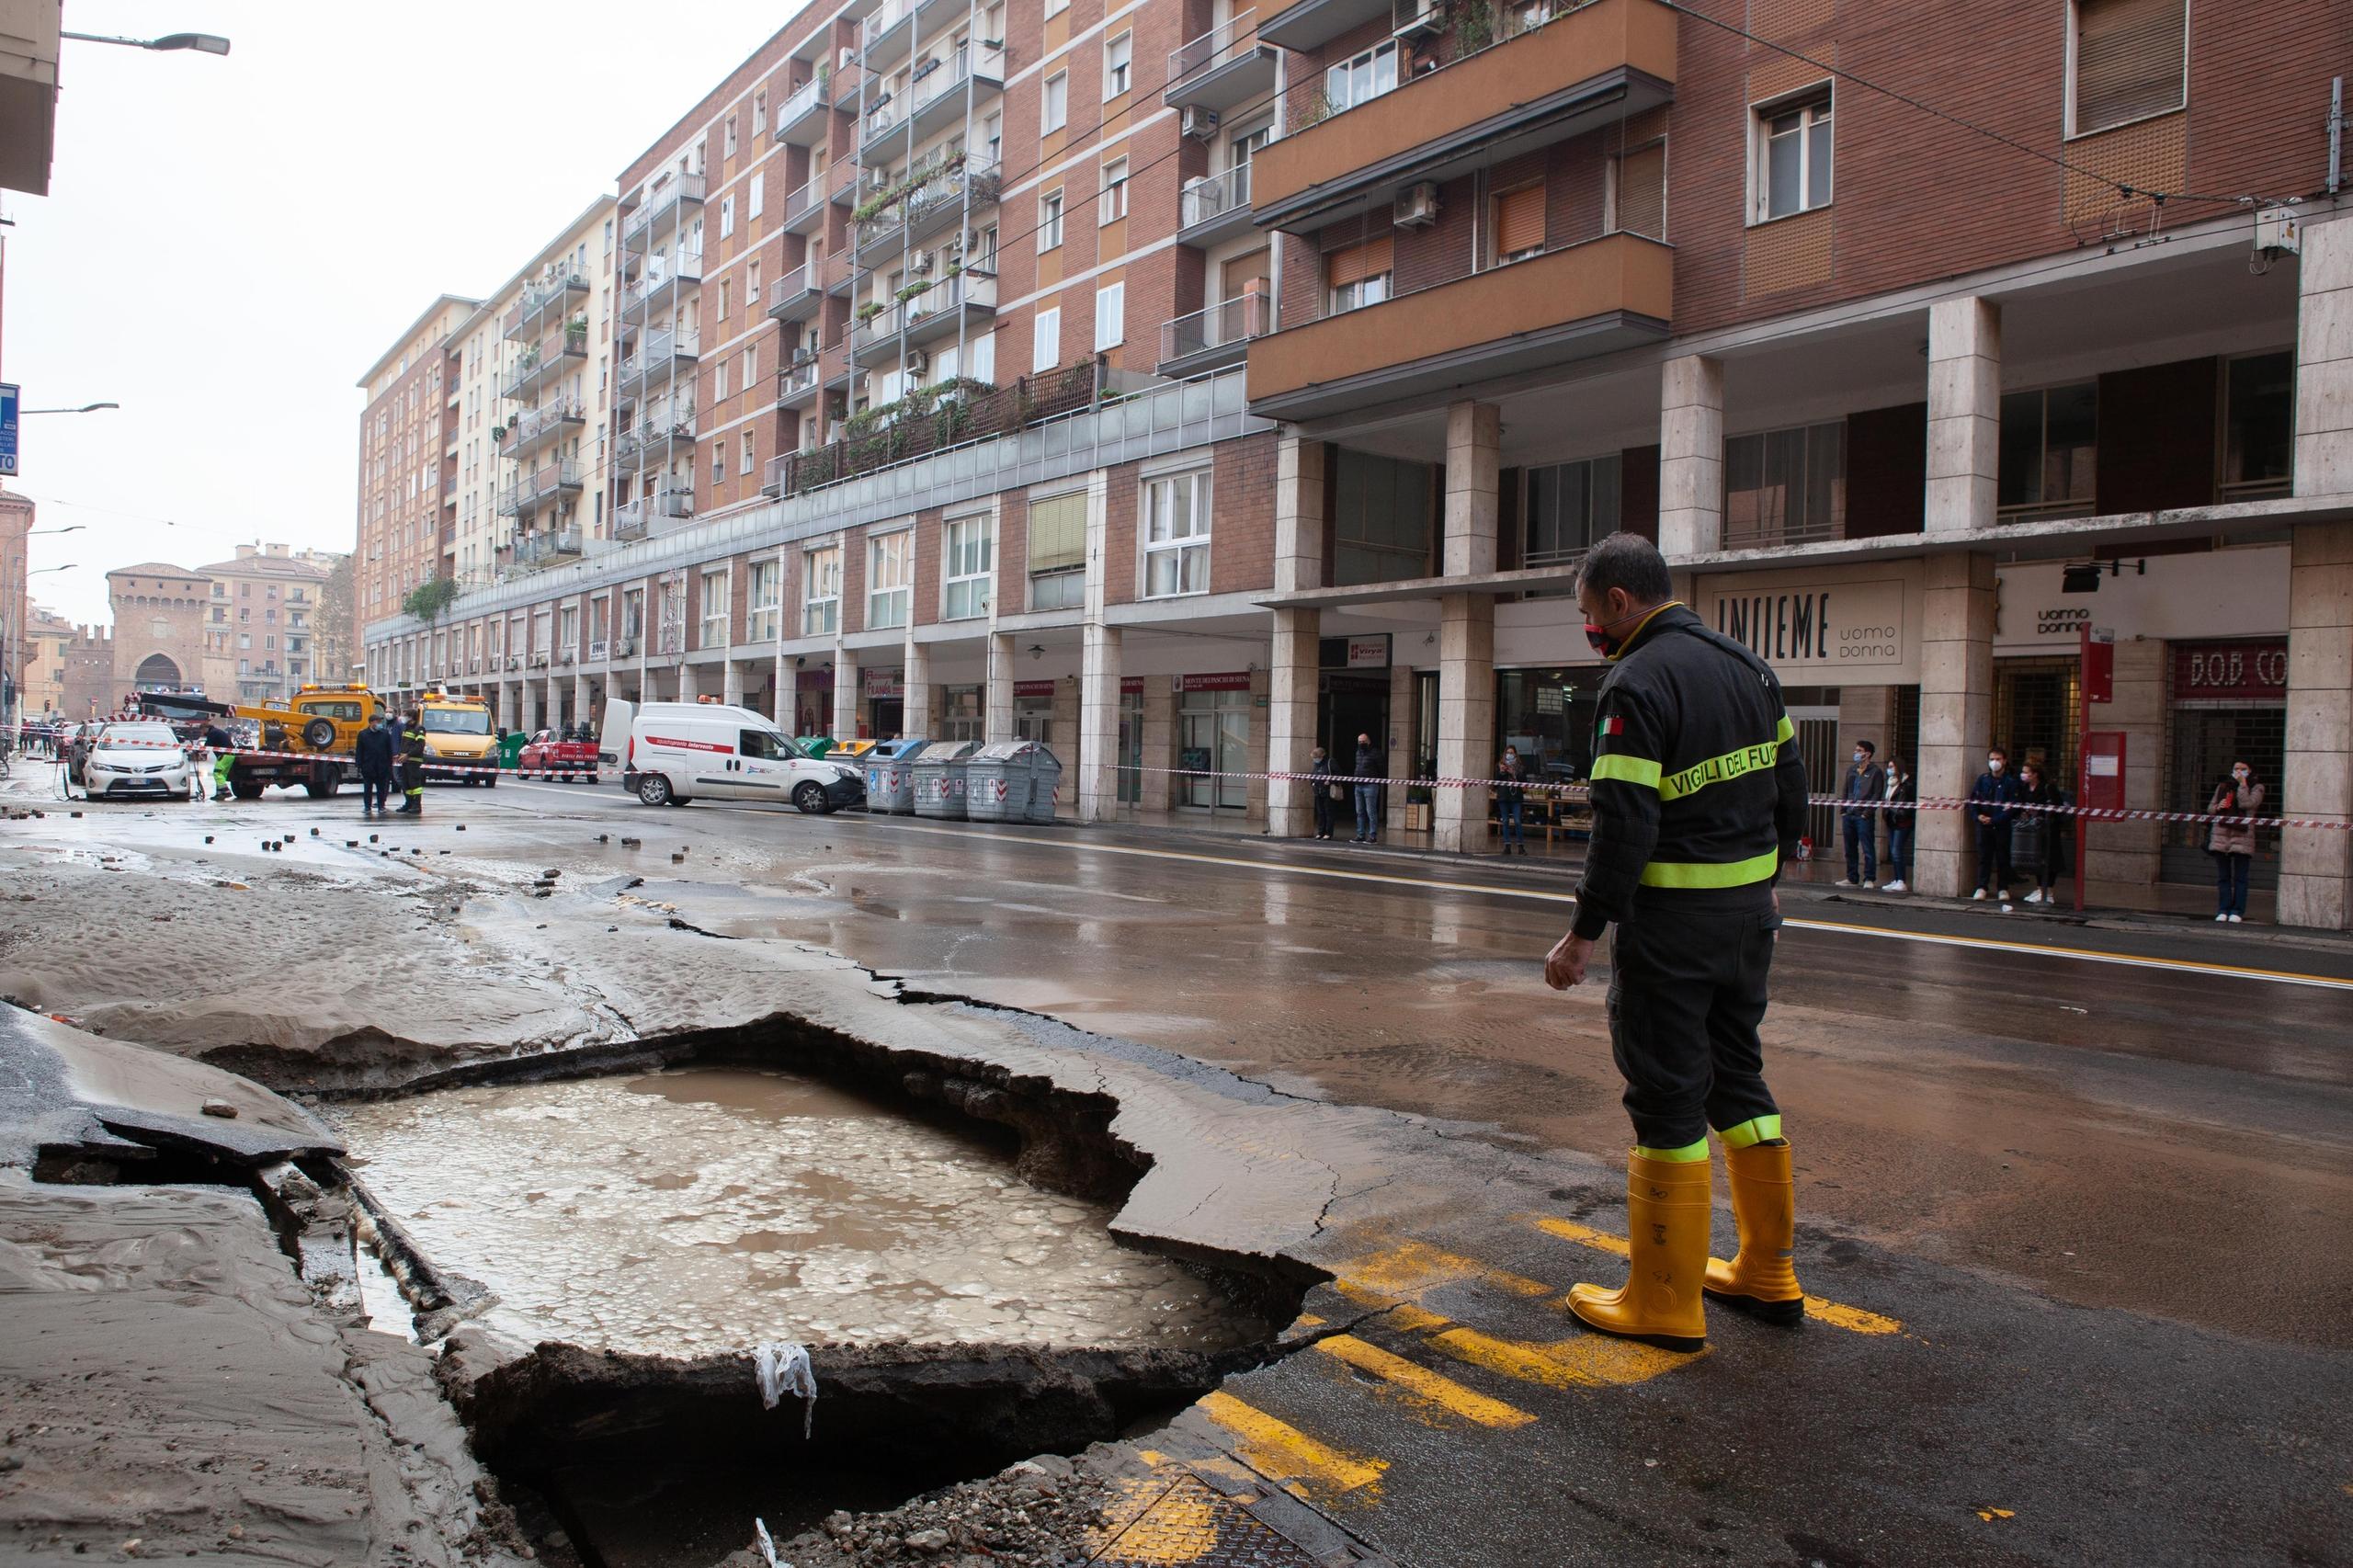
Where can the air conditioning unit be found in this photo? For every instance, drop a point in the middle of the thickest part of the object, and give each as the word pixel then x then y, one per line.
pixel 920 263
pixel 846 58
pixel 1418 18
pixel 627 647
pixel 1416 206
pixel 917 362
pixel 1198 123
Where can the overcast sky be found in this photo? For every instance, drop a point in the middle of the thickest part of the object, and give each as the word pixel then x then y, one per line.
pixel 228 244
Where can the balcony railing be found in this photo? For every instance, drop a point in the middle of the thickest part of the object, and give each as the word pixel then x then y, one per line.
pixel 640 439
pixel 540 362
pixel 531 426
pixel 983 68
pixel 923 316
pixel 554 290
pixel 1217 199
pixel 927 206
pixel 537 550
pixel 660 347
pixel 804 204
pixel 534 488
pixel 681 270
pixel 660 207
pixel 1031 400
pixel 799 379
pixel 631 518
pixel 809 97
pixel 1198 342
pixel 885 18
pixel 1225 66
pixel 797 295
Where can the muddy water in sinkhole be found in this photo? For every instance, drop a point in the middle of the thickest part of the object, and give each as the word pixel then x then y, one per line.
pixel 706 1209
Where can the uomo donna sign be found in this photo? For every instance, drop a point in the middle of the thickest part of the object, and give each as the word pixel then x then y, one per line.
pixel 1822 628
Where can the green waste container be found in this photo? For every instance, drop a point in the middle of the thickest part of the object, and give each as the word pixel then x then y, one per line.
pixel 814 747
pixel 510 749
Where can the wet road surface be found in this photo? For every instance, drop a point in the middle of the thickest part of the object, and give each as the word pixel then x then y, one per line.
pixel 2145 1118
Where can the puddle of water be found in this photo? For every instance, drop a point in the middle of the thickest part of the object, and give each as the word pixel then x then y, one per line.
pixel 707 1209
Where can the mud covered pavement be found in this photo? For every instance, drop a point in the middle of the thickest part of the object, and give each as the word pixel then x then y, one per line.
pixel 1425 1400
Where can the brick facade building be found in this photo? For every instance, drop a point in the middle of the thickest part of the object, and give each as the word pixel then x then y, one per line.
pixel 1188 387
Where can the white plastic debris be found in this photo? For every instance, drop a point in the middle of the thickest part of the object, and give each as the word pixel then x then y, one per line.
pixel 767 1543
pixel 783 1369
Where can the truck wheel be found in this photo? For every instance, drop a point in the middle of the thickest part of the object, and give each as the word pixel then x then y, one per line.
pixel 810 799
pixel 324 784
pixel 319 734
pixel 653 790
pixel 245 791
pixel 490 780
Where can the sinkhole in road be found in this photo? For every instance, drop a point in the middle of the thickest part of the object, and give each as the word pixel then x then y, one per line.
pixel 942 1242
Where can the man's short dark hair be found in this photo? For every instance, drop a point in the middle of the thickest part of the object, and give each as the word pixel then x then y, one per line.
pixel 1629 561
pixel 1868 747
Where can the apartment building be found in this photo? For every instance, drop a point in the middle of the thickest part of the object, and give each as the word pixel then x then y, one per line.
pixel 408 461
pixel 549 432
pixel 49 640
pixel 1186 385
pixel 259 622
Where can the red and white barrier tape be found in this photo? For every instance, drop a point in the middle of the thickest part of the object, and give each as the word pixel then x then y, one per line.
pixel 2093 813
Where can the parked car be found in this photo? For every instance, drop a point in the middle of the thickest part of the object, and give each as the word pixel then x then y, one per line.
pixel 678 751
pixel 141 757
pixel 553 753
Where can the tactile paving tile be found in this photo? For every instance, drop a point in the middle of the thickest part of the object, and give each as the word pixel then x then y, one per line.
pixel 1192 1523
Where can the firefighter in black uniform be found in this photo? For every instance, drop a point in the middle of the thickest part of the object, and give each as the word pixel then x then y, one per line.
pixel 1698 796
pixel 412 766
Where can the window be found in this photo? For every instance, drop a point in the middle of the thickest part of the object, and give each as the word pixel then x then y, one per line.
pixel 2050 445
pixel 1381 516
pixel 714 609
pixel 765 601
pixel 756 197
pixel 1638 191
pixel 1056 7
pixel 1361 79
pixel 1176 535
pixel 890 578
pixel 1119 65
pixel 718 379
pixel 1049 218
pixel 1570 507
pixel 752 287
pixel 1053 113
pixel 1046 339
pixel 1357 276
pixel 1057 551
pixel 759 111
pixel 728 136
pixel 1785 485
pixel 820 595
pixel 1518 225
pixel 745 461
pixel 1110 315
pixel 2126 60
pixel 971 550
pixel 726 216
pixel 1792 172
pixel 2258 425
pixel 1113 203
pixel 750 366
pixel 726 296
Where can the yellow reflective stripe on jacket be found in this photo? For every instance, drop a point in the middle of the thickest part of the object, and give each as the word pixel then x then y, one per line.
pixel 1732 765
pixel 1785 732
pixel 1697 874
pixel 1625 769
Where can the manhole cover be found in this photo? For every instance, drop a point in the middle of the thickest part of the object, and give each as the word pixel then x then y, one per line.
pixel 1192 1523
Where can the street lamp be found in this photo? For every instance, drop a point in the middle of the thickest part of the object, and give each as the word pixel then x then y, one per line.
pixel 68 529
pixel 203 43
pixel 86 408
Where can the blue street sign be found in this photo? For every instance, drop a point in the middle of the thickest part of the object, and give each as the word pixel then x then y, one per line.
pixel 8 429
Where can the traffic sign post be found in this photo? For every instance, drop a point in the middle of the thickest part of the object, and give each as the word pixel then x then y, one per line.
pixel 8 401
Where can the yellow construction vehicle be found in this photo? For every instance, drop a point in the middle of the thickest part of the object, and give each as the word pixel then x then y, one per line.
pixel 459 742
pixel 307 741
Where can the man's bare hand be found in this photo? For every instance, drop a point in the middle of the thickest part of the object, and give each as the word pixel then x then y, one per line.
pixel 1565 965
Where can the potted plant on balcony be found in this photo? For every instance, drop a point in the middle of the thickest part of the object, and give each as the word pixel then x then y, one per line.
pixel 869 311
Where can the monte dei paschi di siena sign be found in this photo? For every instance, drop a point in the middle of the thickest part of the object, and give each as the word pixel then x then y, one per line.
pixel 1826 627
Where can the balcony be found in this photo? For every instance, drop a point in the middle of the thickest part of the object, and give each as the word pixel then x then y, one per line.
pixel 884 38
pixel 804 117
pixel 552 548
pixel 804 206
pixel 553 294
pixel 659 212
pixel 796 295
pixel 543 363
pixel 935 103
pixel 1224 67
pixel 534 427
pixel 666 352
pixel 662 277
pixel 633 519
pixel 521 498
pixel 930 206
pixel 1553 310
pixel 1582 69
pixel 650 440
pixel 937 311
pixel 1214 208
pixel 797 382
pixel 1214 338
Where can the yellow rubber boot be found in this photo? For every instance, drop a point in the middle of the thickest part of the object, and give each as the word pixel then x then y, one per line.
pixel 1761 1280
pixel 1666 1226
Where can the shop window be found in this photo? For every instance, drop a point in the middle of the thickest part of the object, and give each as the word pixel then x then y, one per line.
pixel 1791 157
pixel 1570 507
pixel 1782 486
pixel 1177 536
pixel 960 717
pixel 890 578
pixel 2126 60
pixel 1381 516
pixel 1638 191
pixel 1057 555
pixel 2049 450
pixel 1357 276
pixel 2258 425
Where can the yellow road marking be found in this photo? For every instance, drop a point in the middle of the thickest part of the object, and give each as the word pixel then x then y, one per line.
pixel 1587 1361
pixel 1854 1320
pixel 1410 1268
pixel 1286 1454
pixel 1422 1385
pixel 2086 955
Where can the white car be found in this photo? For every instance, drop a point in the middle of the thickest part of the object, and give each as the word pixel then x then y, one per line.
pixel 678 751
pixel 136 758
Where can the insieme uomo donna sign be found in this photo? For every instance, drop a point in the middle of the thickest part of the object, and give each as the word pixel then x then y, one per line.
pixel 1819 631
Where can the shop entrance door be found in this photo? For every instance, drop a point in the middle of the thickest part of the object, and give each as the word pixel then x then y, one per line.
pixel 1213 736
pixel 887 715
pixel 1353 705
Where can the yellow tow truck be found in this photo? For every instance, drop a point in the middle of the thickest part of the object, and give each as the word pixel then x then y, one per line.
pixel 312 735
pixel 460 745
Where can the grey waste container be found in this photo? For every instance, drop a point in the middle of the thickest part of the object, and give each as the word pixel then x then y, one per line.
pixel 939 778
pixel 996 784
pixel 1045 779
pixel 890 776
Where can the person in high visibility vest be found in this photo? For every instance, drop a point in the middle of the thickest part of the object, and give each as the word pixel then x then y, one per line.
pixel 1698 799
pixel 412 766
pixel 224 758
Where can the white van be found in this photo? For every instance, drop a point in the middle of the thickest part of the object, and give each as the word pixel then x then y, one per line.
pixel 677 751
